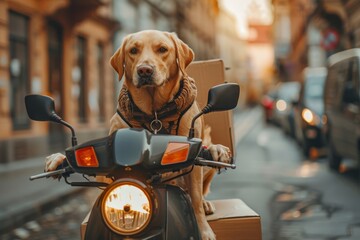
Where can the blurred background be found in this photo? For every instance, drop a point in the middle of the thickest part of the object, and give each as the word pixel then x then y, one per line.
pixel 296 124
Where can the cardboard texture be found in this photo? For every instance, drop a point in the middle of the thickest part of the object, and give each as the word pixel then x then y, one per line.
pixel 233 219
pixel 208 74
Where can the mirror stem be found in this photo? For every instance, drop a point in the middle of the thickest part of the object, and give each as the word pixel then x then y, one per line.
pixel 205 110
pixel 58 119
pixel 192 130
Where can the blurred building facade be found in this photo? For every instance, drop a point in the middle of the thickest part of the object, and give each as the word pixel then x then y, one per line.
pixel 62 48
pixel 233 51
pixel 319 28
pixel 261 57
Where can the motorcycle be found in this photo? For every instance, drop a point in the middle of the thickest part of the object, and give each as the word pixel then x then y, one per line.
pixel 138 204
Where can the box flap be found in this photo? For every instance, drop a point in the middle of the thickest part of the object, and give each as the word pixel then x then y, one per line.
pixel 231 208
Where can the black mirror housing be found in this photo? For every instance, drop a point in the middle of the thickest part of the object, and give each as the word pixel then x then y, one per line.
pixel 220 98
pixel 40 108
pixel 223 97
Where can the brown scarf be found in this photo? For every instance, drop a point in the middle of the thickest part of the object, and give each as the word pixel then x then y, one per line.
pixel 169 115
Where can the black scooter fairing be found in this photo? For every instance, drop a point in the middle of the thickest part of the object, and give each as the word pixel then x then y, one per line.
pixel 174 218
pixel 135 148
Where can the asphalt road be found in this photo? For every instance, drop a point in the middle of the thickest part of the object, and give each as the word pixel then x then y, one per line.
pixel 297 198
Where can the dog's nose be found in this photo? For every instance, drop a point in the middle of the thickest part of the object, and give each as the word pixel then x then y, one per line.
pixel 145 71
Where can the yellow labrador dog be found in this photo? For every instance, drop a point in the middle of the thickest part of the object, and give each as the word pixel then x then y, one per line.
pixel 158 95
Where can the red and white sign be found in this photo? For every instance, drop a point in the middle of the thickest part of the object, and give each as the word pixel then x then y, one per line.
pixel 331 39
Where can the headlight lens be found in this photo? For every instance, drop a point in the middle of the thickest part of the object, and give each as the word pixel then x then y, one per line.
pixel 281 105
pixel 310 117
pixel 126 208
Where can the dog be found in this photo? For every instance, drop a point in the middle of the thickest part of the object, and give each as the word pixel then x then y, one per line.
pixel 153 64
pixel 158 95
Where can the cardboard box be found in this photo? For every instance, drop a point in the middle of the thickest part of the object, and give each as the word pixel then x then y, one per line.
pixel 208 74
pixel 233 219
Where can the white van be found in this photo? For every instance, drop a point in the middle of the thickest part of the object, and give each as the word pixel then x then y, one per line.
pixel 342 106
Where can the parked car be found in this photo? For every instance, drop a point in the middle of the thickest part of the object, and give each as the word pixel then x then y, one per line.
pixel 268 103
pixel 342 106
pixel 309 112
pixel 288 93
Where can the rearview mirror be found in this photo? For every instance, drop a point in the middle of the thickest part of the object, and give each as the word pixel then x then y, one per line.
pixel 220 98
pixel 223 97
pixel 40 108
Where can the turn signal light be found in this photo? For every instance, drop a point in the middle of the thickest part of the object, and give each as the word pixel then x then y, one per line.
pixel 175 153
pixel 86 157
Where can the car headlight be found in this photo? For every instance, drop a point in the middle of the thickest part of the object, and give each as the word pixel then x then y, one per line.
pixel 310 117
pixel 126 208
pixel 281 105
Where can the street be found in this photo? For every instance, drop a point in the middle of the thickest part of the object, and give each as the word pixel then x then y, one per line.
pixel 295 197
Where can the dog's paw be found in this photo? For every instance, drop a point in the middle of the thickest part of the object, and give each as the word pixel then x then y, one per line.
pixel 207 233
pixel 209 208
pixel 220 153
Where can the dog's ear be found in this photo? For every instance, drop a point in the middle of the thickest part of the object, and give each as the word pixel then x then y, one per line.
pixel 117 61
pixel 184 54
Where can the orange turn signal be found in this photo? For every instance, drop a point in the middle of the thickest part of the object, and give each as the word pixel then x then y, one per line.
pixel 175 153
pixel 86 157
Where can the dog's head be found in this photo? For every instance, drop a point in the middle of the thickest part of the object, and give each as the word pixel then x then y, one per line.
pixel 151 58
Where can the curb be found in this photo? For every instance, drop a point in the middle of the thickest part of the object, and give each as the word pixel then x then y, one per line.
pixel 244 124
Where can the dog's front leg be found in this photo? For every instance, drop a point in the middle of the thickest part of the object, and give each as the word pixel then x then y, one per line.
pixel 195 183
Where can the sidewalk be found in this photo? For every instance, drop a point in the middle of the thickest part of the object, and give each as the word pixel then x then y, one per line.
pixel 244 120
pixel 21 199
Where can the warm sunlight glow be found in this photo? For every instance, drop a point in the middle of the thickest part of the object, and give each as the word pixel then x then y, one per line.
pixel 258 11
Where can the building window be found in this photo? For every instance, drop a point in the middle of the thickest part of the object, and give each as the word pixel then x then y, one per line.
pixel 100 82
pixel 57 138
pixel 19 68
pixel 81 80
pixel 55 65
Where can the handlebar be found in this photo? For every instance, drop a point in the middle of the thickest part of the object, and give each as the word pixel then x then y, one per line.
pixel 205 159
pixel 210 163
pixel 62 171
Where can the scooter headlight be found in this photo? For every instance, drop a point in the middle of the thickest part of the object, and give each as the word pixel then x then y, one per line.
pixel 126 208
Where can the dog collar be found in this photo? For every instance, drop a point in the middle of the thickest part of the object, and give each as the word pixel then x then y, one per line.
pixel 169 115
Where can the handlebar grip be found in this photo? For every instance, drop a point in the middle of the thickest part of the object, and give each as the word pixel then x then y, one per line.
pixel 64 164
pixel 205 154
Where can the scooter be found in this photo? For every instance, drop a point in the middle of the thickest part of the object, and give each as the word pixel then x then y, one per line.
pixel 138 204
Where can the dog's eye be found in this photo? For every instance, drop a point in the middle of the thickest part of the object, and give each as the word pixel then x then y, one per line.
pixel 163 49
pixel 133 50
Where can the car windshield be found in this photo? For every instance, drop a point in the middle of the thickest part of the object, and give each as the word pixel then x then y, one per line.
pixel 289 91
pixel 314 87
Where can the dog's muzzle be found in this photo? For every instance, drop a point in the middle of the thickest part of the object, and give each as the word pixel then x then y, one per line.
pixel 145 75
